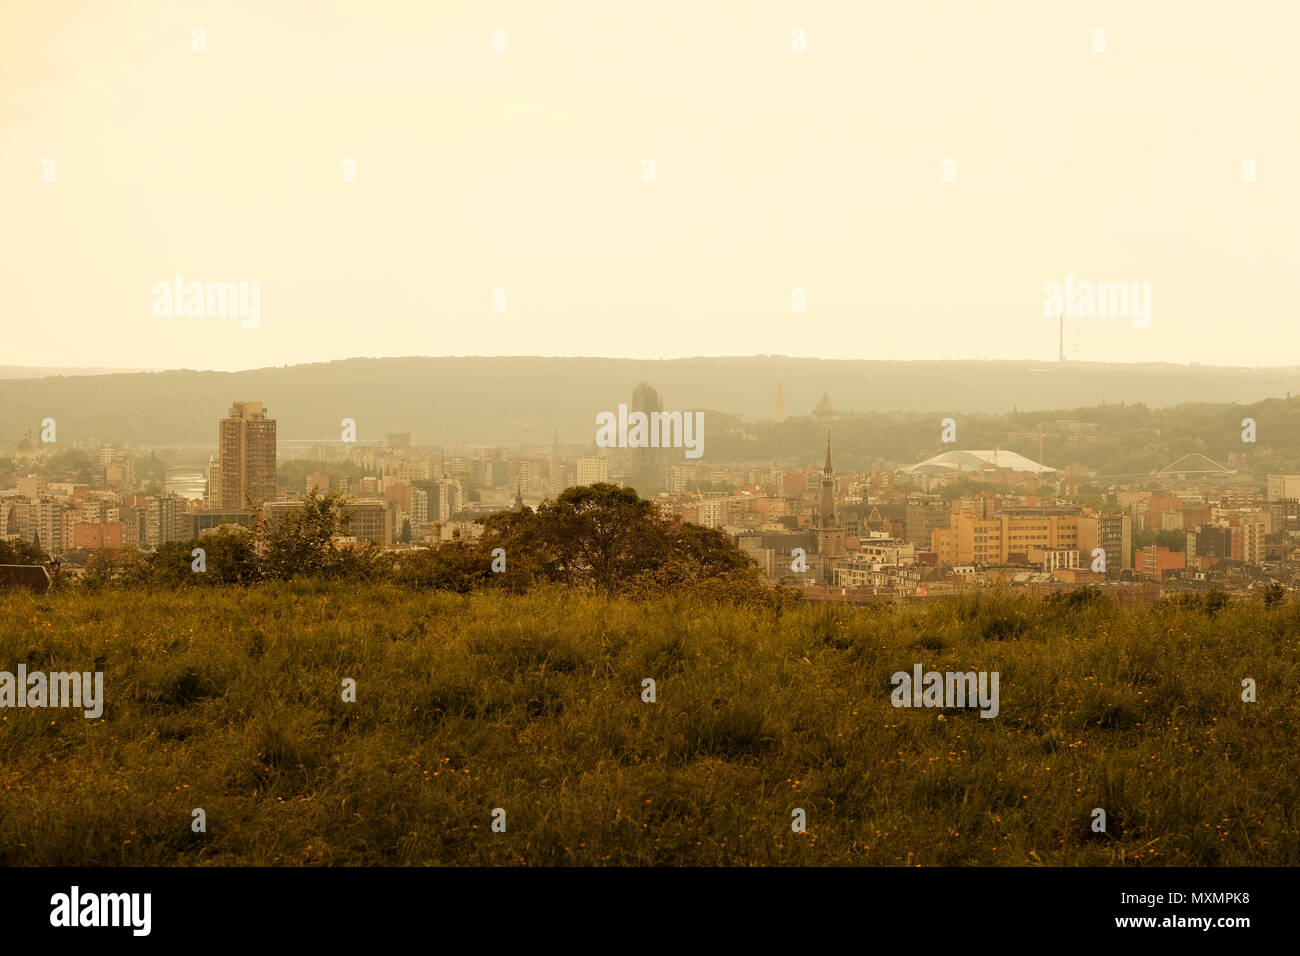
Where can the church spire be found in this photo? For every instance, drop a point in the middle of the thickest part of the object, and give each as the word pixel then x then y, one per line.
pixel 828 488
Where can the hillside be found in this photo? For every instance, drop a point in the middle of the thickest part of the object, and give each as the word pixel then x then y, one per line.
pixel 510 400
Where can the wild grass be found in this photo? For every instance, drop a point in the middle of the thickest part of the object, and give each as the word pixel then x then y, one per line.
pixel 229 699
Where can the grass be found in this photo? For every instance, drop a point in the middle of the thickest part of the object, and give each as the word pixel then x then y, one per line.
pixel 230 700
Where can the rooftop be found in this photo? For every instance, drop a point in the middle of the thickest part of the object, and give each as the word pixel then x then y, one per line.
pixel 954 462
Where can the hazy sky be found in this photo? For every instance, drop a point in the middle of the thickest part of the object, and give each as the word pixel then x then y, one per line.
pixel 523 171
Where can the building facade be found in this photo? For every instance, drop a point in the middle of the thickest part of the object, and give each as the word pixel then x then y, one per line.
pixel 246 458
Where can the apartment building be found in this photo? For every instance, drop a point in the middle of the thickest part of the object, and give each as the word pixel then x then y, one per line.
pixel 924 514
pixel 1113 533
pixel 1007 537
pixel 246 458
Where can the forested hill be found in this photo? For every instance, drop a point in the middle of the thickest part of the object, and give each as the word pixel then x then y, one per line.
pixel 529 399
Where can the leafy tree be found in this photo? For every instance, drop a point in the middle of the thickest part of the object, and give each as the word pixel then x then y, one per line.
pixel 599 537
pixel 609 539
pixel 1173 540
pixel 169 566
pixel 703 562
pixel 149 471
pixel 529 560
pixel 120 567
pixel 963 487
pixel 451 566
pixel 360 562
pixel 18 551
pixel 72 465
pixel 231 555
pixel 597 534
pixel 300 541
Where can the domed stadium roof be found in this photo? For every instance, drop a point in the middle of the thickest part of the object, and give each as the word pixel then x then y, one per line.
pixel 993 459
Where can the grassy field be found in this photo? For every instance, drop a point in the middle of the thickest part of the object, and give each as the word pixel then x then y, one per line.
pixel 230 700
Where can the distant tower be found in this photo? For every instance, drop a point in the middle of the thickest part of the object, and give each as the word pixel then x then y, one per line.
pixel 827 516
pixel 830 537
pixel 213 498
pixel 519 497
pixel 246 456
pixel 779 417
pixel 647 463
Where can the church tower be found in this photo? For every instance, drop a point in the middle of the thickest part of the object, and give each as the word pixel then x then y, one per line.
pixel 830 536
pixel 827 516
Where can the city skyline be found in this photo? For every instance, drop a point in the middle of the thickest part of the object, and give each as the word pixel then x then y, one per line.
pixel 889 532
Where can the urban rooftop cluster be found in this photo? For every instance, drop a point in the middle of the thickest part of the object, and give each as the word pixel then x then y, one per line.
pixel 962 519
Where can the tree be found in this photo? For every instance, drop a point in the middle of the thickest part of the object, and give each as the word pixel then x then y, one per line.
pixel 704 562
pixel 599 537
pixel 149 470
pixel 18 551
pixel 1173 540
pixel 529 559
pixel 300 541
pixel 451 566
pixel 609 539
pixel 169 566
pixel 597 534
pixel 74 465
pixel 231 555
pixel 120 567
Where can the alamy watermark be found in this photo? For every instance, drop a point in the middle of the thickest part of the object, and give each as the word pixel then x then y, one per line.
pixel 651 430
pixel 55 689
pixel 1098 300
pixel 950 689
pixel 179 299
pixel 75 908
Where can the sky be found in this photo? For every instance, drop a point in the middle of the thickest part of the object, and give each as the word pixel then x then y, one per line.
pixel 1164 150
